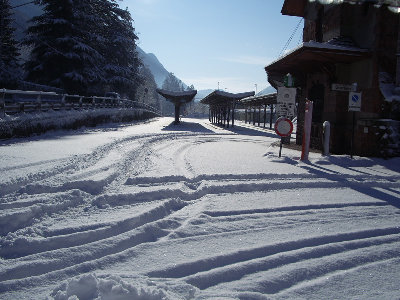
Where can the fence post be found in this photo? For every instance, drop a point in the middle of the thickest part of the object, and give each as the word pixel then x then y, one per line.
pixel 39 101
pixel 3 103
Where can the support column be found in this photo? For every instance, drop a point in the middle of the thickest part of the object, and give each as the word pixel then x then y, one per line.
pixel 233 113
pixel 177 112
pixel 270 117
pixel 265 114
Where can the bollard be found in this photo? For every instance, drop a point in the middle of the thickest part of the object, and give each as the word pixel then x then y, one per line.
pixel 307 130
pixel 326 136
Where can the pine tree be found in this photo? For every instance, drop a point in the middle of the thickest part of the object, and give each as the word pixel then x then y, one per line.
pixel 9 68
pixel 172 83
pixel 119 50
pixel 84 47
pixel 62 55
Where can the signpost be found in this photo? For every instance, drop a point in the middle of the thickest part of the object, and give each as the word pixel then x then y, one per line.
pixel 286 102
pixel 284 128
pixel 354 105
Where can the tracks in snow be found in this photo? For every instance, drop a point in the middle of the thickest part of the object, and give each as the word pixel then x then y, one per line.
pixel 95 211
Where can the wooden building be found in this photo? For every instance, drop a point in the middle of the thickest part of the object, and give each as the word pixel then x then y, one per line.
pixel 347 46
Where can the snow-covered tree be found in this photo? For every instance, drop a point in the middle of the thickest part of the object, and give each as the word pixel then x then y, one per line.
pixel 147 90
pixel 84 47
pixel 172 83
pixel 62 55
pixel 9 68
pixel 121 60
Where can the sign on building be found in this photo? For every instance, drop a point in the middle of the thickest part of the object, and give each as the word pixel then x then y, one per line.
pixel 286 102
pixel 344 87
pixel 354 101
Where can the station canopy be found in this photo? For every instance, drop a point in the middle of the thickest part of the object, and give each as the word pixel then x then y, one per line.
pixel 260 100
pixel 179 97
pixel 221 98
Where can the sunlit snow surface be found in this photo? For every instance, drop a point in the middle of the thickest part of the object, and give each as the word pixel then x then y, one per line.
pixel 157 211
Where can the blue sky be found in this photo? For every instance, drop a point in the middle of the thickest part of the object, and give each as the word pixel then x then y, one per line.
pixel 204 42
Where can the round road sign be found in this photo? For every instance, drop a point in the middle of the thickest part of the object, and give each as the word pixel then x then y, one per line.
pixel 283 126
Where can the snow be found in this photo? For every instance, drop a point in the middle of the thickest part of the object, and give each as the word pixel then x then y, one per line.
pixel 151 210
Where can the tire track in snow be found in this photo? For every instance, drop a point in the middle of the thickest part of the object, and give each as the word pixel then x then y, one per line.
pixel 201 186
pixel 232 266
pixel 89 234
pixel 65 251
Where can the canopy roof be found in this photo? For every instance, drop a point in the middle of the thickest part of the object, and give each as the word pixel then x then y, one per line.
pixel 177 96
pixel 313 56
pixel 298 7
pixel 310 55
pixel 260 100
pixel 220 97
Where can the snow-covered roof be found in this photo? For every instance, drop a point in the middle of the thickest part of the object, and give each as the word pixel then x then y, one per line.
pixel 334 50
pixel 222 96
pixel 263 99
pixel 298 7
pixel 177 96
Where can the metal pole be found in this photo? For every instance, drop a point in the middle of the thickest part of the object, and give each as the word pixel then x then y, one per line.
pixel 352 135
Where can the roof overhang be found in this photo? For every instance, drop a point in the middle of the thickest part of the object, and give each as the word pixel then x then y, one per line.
pixel 312 56
pixel 177 97
pixel 220 97
pixel 294 8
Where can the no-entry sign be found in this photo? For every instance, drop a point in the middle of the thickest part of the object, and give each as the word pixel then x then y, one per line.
pixel 283 127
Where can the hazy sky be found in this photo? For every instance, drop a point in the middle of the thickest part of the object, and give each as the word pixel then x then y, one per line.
pixel 204 42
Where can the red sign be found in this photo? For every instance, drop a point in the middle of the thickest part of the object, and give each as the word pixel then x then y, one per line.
pixel 283 126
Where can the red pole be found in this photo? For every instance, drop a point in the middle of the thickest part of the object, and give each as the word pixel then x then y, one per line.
pixel 307 130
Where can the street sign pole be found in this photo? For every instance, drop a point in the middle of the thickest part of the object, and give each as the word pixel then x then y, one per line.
pixel 352 135
pixel 284 128
pixel 354 105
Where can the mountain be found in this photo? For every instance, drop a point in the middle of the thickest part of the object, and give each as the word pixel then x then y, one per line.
pixel 157 69
pixel 266 91
pixel 202 94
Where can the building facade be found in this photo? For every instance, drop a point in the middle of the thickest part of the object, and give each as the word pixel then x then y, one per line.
pixel 348 46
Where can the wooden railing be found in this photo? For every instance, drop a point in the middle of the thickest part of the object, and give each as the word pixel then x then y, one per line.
pixel 16 101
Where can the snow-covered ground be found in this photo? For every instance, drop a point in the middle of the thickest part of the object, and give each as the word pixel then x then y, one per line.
pixel 156 211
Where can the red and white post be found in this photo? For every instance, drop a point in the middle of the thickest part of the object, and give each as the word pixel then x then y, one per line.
pixel 307 130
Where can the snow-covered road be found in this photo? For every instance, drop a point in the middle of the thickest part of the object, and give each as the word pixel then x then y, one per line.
pixel 156 211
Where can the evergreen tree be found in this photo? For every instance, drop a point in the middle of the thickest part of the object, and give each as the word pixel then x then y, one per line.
pixel 84 47
pixel 172 83
pixel 62 55
pixel 9 68
pixel 147 91
pixel 121 61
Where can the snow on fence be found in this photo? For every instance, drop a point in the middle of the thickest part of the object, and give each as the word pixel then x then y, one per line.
pixel 17 101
